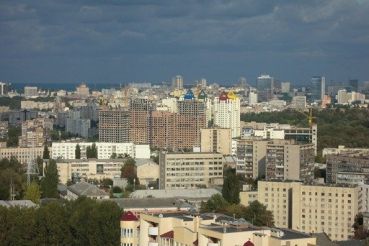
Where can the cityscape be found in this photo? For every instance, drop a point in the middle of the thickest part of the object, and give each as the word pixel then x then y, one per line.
pixel 134 146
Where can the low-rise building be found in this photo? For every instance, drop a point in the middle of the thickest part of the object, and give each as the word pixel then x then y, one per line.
pixel 23 155
pixel 190 170
pixel 147 171
pixel 84 189
pixel 66 150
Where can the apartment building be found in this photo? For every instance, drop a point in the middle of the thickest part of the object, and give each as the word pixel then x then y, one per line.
pixel 23 155
pixel 88 169
pixel 227 112
pixel 190 170
pixel 217 140
pixel 140 113
pixel 348 167
pixel 174 229
pixel 66 150
pixel 311 208
pixel 114 126
pixel 286 160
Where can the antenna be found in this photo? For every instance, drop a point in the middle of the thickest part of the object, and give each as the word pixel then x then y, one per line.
pixel 32 169
pixel 12 193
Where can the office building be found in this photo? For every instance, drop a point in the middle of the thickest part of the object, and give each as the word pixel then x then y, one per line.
pixel 265 87
pixel 227 112
pixel 23 155
pixel 317 88
pixel 114 126
pixel 311 208
pixel 354 84
pixel 253 97
pixel 66 150
pixel 299 102
pixel 30 91
pixel 218 140
pixel 190 170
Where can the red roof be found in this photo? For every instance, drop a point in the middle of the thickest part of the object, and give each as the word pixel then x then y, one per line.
pixel 248 243
pixel 169 234
pixel 128 216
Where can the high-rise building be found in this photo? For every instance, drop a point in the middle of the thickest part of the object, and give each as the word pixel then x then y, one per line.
pixel 82 90
pixel 285 87
pixel 227 112
pixel 265 87
pixel 317 88
pixel 140 120
pixel 177 82
pixel 114 126
pixel 217 140
pixel 299 102
pixel 253 97
pixel 354 84
pixel 190 170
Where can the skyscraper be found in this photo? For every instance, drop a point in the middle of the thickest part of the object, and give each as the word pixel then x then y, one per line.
pixel 177 82
pixel 317 88
pixel 265 86
pixel 114 126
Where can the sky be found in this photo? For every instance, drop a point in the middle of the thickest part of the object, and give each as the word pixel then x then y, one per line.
pixel 119 41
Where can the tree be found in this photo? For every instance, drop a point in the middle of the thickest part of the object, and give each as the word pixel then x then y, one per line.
pixel 359 230
pixel 49 184
pixel 78 152
pixel 258 214
pixel 33 192
pixel 46 154
pixel 91 152
pixel 128 170
pixel 13 136
pixel 216 203
pixel 40 165
pixel 11 173
pixel 231 187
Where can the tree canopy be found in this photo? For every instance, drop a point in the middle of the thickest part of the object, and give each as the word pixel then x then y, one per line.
pixel 11 172
pixel 231 187
pixel 91 152
pixel 49 183
pixel 78 152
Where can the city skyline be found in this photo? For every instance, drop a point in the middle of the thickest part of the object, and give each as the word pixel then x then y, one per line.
pixel 120 41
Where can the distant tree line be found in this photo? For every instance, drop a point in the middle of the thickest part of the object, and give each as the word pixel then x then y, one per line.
pixel 339 126
pixel 81 222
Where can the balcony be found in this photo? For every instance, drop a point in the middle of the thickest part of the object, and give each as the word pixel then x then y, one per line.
pixel 153 231
pixel 153 244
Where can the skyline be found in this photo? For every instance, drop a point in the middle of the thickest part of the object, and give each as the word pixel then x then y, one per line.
pixel 123 41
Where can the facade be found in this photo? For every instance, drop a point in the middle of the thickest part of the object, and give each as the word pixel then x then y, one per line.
pixel 114 126
pixel 147 171
pixel 190 170
pixel 348 168
pixel 174 229
pixel 265 87
pixel 285 87
pixel 23 155
pixel 217 140
pixel 4 88
pixel 82 90
pixel 32 136
pixel 227 112
pixel 140 114
pixel 177 82
pixel 311 208
pixel 88 169
pixel 3 129
pixel 299 102
pixel 66 150
pixel 253 97
pixel 37 105
pixel 286 160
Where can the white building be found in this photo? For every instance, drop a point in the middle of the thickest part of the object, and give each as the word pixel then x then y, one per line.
pixel 66 150
pixel 227 112
pixel 30 91
pixel 253 98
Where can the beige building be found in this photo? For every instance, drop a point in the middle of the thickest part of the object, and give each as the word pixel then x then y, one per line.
pixel 180 229
pixel 216 140
pixel 147 171
pixel 23 155
pixel 88 169
pixel 82 90
pixel 190 170
pixel 311 208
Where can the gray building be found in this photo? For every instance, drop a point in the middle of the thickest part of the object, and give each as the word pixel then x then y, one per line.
pixel 317 88
pixel 265 87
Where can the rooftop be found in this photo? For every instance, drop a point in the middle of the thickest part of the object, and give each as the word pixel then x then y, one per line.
pixel 20 203
pixel 177 193
pixel 85 189
pixel 150 203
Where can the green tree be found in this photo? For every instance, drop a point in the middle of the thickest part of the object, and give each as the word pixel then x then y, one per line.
pixel 128 170
pixel 40 165
pixel 78 152
pixel 258 214
pixel 33 192
pixel 216 203
pixel 13 136
pixel 11 173
pixel 49 183
pixel 91 151
pixel 46 153
pixel 231 187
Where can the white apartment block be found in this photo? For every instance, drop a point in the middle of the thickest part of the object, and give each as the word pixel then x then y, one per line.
pixel 66 150
pixel 190 170
pixel 227 112
pixel 311 208
pixel 23 155
pixel 89 169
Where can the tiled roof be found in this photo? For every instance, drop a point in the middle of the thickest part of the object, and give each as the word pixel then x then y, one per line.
pixel 169 234
pixel 128 216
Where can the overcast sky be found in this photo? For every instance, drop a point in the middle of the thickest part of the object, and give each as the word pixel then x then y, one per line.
pixel 113 41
